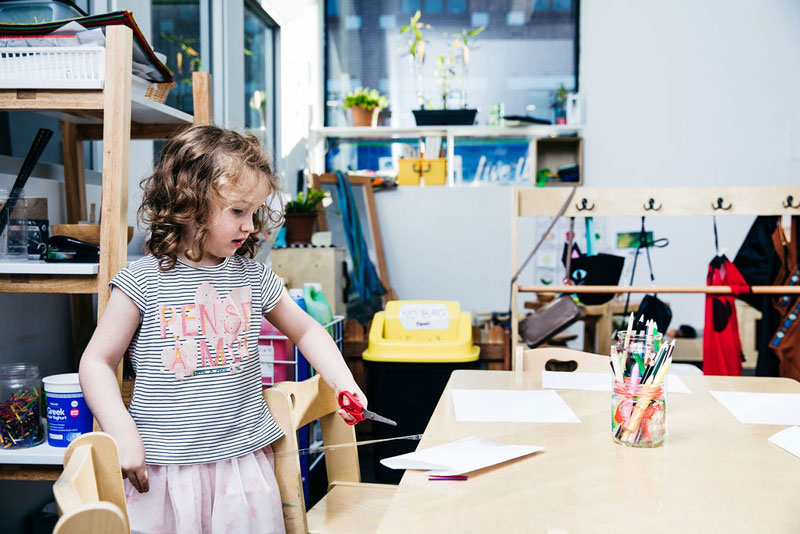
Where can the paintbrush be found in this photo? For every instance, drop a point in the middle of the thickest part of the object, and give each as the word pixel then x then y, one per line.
pixel 34 153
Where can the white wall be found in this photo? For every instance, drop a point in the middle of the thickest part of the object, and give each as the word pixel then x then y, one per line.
pixel 677 93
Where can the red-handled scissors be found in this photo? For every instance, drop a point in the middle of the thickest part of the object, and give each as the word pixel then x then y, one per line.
pixel 351 405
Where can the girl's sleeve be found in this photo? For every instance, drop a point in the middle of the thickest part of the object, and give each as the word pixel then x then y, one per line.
pixel 134 284
pixel 271 288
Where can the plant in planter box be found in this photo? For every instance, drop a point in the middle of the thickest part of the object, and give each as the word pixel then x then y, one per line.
pixel 452 68
pixel 365 104
pixel 300 214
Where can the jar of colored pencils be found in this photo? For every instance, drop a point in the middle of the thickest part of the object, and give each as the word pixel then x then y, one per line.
pixel 20 406
pixel 640 361
pixel 638 414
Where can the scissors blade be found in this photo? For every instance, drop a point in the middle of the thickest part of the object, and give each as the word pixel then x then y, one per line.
pixel 375 417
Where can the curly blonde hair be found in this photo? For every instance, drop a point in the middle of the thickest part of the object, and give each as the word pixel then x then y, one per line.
pixel 193 166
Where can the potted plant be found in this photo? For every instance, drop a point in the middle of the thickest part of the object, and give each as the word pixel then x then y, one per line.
pixel 365 104
pixel 300 215
pixel 560 105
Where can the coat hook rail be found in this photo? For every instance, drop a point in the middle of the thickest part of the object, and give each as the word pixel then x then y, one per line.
pixel 650 206
pixel 789 203
pixel 584 205
pixel 718 205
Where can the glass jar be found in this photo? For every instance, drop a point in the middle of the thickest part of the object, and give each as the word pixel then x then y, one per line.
pixel 14 234
pixel 638 405
pixel 20 406
pixel 638 414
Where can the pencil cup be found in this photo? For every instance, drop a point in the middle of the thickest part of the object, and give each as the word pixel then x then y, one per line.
pixel 638 413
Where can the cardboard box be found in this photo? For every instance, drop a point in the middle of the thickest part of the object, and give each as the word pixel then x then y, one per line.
pixel 429 171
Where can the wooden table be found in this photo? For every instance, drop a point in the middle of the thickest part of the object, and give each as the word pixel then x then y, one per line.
pixel 713 474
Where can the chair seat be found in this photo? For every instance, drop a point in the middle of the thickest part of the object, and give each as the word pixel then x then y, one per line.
pixel 351 508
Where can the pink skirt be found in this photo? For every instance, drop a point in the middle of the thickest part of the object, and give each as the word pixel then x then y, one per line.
pixel 238 495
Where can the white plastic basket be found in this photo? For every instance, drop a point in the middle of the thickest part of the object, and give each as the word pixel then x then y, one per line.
pixel 68 67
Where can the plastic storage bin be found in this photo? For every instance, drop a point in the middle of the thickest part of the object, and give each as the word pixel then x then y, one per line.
pixel 275 355
pixel 29 11
pixel 73 67
pixel 413 348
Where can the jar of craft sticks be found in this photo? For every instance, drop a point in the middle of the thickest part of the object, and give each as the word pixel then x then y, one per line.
pixel 20 406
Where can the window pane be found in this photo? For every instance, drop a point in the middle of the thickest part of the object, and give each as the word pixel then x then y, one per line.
pixel 176 33
pixel 259 77
pixel 524 54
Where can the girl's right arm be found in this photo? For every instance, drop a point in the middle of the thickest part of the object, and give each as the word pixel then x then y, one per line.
pixel 98 377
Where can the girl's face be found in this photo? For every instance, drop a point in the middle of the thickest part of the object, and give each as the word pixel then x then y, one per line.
pixel 233 219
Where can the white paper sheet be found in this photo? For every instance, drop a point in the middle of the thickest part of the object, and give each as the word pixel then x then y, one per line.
pixel 788 439
pixel 459 457
pixel 761 408
pixel 598 382
pixel 511 406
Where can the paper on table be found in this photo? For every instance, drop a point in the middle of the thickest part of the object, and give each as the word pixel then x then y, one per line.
pixel 459 457
pixel 761 408
pixel 598 382
pixel 789 439
pixel 511 406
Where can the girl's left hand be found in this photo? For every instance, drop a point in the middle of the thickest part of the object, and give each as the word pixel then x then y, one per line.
pixel 358 394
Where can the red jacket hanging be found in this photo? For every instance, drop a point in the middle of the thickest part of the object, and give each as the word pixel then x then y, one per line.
pixel 722 349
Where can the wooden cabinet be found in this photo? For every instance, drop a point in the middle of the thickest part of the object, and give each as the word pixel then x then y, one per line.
pixel 115 116
pixel 324 265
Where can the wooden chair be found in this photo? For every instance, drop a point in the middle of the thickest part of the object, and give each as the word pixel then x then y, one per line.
pixel 560 359
pixel 349 505
pixel 89 492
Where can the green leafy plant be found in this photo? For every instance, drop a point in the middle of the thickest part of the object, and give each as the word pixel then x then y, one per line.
pixel 366 98
pixel 460 49
pixel 183 75
pixel 446 75
pixel 560 97
pixel 306 202
pixel 415 50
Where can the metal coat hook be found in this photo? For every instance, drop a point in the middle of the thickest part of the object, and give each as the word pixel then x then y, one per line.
pixel 650 206
pixel 583 206
pixel 789 203
pixel 719 206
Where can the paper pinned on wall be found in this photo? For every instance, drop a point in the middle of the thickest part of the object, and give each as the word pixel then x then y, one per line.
pixel 598 382
pixel 761 408
pixel 459 457
pixel 511 406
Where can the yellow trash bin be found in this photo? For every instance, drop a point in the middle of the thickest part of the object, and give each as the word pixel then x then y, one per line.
pixel 414 346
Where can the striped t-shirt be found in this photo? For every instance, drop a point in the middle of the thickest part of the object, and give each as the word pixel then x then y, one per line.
pixel 197 396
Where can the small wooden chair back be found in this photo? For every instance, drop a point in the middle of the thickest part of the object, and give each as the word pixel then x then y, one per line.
pixel 561 359
pixel 293 405
pixel 89 492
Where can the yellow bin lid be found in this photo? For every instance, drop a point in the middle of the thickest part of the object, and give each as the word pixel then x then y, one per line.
pixel 430 331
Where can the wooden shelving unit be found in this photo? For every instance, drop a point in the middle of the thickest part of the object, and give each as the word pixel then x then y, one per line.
pixel 649 202
pixel 115 116
pixel 556 143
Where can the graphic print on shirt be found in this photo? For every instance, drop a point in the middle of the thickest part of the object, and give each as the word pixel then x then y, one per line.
pixel 209 334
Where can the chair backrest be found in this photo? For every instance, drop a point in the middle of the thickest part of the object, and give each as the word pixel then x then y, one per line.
pixel 89 492
pixel 561 359
pixel 294 405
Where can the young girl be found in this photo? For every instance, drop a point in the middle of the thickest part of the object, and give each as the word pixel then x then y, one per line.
pixel 194 445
